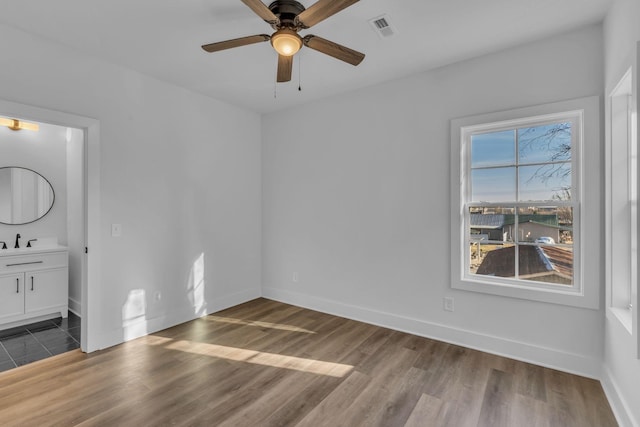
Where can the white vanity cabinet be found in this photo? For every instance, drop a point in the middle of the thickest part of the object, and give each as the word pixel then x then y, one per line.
pixel 11 296
pixel 33 284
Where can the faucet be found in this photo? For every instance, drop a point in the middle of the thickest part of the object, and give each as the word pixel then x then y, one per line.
pixel 17 246
pixel 4 245
pixel 29 242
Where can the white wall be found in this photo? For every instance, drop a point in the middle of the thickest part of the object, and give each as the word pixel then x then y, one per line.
pixel 356 201
pixel 179 171
pixel 621 366
pixel 43 152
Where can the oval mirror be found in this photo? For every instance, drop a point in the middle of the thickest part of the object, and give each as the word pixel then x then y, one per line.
pixel 25 196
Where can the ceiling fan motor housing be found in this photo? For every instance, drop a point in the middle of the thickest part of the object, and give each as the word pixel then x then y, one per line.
pixel 286 11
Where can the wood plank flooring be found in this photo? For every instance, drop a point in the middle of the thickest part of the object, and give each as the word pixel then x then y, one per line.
pixel 265 363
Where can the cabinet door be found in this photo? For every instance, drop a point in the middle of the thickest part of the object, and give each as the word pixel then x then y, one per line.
pixel 46 289
pixel 11 295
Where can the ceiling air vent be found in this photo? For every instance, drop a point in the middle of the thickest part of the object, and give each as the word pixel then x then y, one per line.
pixel 382 26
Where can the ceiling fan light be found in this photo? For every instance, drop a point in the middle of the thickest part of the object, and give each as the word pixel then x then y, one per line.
pixel 286 42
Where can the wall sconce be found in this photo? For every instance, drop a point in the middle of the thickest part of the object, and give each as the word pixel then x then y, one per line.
pixel 15 124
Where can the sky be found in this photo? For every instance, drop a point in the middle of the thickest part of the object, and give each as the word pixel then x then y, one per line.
pixel 506 160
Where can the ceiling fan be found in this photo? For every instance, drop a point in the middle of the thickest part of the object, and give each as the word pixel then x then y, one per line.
pixel 287 18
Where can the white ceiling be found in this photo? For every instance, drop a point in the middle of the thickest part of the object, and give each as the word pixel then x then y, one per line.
pixel 162 38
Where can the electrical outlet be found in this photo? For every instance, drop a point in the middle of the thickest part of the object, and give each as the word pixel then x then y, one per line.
pixel 116 230
pixel 294 277
pixel 448 304
pixel 157 296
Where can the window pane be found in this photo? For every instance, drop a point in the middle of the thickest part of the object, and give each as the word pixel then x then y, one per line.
pixel 488 224
pixel 492 260
pixel 546 225
pixel 493 149
pixel 543 144
pixel 547 264
pixel 545 182
pixel 495 184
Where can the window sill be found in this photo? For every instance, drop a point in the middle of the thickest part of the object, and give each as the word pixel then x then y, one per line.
pixel 624 316
pixel 571 298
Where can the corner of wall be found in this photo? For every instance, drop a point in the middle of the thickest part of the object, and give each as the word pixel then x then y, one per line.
pixel 618 403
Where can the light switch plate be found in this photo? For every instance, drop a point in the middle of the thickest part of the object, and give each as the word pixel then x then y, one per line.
pixel 116 230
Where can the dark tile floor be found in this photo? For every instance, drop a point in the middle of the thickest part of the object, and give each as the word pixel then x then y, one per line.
pixel 28 343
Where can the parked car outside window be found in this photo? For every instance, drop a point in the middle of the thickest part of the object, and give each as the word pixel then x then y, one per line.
pixel 546 240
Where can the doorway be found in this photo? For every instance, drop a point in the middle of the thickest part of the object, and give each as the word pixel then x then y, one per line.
pixel 86 216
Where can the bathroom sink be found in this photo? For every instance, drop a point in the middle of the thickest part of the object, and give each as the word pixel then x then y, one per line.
pixel 45 244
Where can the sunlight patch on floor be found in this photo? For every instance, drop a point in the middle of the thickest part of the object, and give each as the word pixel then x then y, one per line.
pixel 156 340
pixel 259 324
pixel 261 358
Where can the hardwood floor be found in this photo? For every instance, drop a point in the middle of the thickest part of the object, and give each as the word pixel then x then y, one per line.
pixel 265 363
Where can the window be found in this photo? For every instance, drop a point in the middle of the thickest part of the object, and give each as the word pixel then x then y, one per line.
pixel 520 201
pixel 517 203
pixel 621 206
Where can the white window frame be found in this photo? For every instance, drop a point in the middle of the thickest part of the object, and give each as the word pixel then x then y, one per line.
pixel 621 258
pixel 583 293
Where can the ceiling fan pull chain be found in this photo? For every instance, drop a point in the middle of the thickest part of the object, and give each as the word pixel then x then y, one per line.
pixel 300 74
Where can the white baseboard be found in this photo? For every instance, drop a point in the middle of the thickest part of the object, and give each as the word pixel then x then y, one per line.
pixel 618 404
pixel 75 306
pixel 29 320
pixel 232 300
pixel 145 326
pixel 542 356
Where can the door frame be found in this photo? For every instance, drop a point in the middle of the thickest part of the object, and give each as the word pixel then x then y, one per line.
pixel 90 310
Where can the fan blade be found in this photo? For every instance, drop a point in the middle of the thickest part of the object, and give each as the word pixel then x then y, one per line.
pixel 321 10
pixel 242 41
pixel 285 65
pixel 330 48
pixel 262 11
